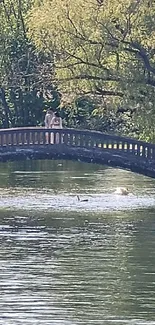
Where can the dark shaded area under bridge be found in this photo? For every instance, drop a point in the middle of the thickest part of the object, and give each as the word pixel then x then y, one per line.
pixel 81 145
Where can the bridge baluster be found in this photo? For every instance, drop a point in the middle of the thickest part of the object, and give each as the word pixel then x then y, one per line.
pixel 2 139
pixel 56 138
pixel 113 145
pixel 36 138
pixel 89 141
pixel 97 143
pixel 71 142
pixel 28 137
pixel 109 145
pixel 153 153
pixel 77 142
pixel 22 138
pixel 134 149
pixel 40 137
pixel 125 146
pixel 92 144
pixel 33 138
pixel 43 138
pixel 145 151
pixel 14 138
pixel 102 144
pixel 65 138
pixel 120 146
pixel 48 137
pixel 85 140
pixel 149 152
pixel 117 145
pixel 81 140
pixel 138 150
pixel 6 139
pixel 142 151
pixel 128 147
pixel 18 138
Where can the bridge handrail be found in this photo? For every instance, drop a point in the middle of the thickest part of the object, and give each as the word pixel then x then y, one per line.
pixel 92 133
pixel 91 139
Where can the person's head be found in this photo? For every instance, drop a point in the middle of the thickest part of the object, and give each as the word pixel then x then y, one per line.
pixel 49 111
pixel 57 114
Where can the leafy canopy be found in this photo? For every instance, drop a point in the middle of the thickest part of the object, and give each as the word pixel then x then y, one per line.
pixel 101 47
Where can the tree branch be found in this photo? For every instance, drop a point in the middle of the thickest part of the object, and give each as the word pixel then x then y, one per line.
pixel 81 61
pixel 89 77
pixel 136 48
pixel 103 92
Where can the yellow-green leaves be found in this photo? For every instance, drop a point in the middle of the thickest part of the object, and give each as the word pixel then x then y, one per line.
pixel 105 48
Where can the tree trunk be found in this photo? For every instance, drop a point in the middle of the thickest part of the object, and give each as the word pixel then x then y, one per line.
pixel 6 110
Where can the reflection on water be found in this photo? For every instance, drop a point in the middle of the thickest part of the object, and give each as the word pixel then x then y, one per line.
pixel 63 263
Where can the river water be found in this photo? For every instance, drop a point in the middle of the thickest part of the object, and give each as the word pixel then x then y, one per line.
pixel 69 262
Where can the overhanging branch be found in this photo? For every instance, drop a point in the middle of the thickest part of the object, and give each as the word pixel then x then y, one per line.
pixel 89 77
pixel 104 92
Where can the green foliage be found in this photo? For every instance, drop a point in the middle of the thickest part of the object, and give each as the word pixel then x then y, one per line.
pixel 90 113
pixel 26 77
pixel 99 54
pixel 101 48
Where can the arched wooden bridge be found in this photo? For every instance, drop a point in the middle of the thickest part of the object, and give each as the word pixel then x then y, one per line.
pixel 82 145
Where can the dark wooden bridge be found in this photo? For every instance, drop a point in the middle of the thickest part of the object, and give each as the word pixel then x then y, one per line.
pixel 82 145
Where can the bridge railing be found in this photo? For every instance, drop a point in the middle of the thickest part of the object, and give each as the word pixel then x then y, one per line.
pixel 75 138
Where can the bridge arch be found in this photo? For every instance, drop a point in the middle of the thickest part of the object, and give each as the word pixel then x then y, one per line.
pixel 83 145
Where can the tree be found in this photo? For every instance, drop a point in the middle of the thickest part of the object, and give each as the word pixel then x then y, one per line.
pixel 26 77
pixel 104 48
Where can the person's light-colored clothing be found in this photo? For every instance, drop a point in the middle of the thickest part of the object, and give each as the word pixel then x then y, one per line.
pixel 48 119
pixel 56 123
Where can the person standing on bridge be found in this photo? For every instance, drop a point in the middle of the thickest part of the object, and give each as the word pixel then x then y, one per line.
pixel 48 118
pixel 56 123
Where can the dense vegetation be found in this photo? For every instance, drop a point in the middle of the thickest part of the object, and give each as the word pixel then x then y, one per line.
pixel 94 61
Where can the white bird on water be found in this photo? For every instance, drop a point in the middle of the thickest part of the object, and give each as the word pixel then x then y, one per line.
pixel 121 191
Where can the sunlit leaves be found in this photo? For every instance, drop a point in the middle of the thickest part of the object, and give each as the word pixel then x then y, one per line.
pixel 86 36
